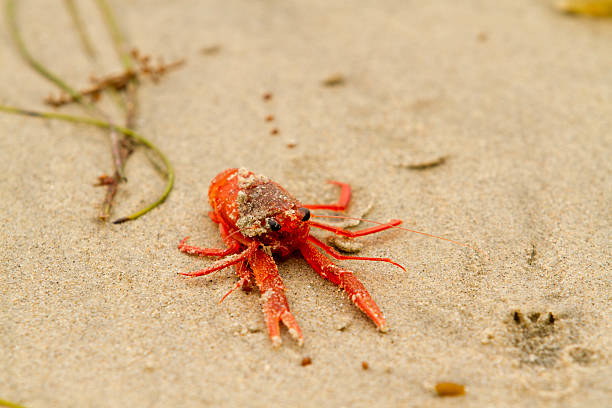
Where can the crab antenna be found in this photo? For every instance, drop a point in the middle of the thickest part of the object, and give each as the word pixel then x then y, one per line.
pixel 343 217
pixel 232 233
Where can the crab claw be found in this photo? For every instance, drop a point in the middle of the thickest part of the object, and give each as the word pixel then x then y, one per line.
pixel 345 280
pixel 364 301
pixel 274 302
pixel 276 310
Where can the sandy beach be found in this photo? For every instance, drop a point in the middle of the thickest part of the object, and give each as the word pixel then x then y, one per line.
pixel 515 97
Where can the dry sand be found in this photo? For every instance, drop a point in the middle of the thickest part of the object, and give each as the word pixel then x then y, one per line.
pixel 516 95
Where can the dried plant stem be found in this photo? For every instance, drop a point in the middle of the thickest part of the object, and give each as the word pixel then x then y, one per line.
pixel 125 146
pixel 41 69
pixel 118 40
pixel 9 404
pixel 126 59
pixel 131 104
pixel 12 23
pixel 169 171
pixel 80 28
pixel 4 403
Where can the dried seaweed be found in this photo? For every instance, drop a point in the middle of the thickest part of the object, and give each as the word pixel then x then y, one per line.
pixel 122 139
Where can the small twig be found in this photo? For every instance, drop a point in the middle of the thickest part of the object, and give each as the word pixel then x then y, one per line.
pixel 155 71
pixel 426 165
pixel 105 125
pixel 80 28
pixel 115 82
pixel 125 146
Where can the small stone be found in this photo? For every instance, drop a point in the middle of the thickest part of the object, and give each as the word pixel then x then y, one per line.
pixel 449 389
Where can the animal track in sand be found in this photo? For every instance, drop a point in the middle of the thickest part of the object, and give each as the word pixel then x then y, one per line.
pixel 540 337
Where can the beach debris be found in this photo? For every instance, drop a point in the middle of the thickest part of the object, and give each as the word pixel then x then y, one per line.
pixel 449 389
pixel 270 117
pixel 342 323
pixel 291 144
pixel 210 49
pixel 487 336
pixel 345 244
pixel 123 139
pixel 426 164
pixel 365 365
pixel 593 8
pixel 482 37
pixel 104 180
pixel 531 258
pixel 118 82
pixel 334 80
pixel 306 361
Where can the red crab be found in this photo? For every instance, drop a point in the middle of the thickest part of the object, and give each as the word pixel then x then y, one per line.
pixel 258 219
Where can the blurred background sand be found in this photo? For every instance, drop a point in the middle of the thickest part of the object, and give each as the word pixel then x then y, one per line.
pixel 516 95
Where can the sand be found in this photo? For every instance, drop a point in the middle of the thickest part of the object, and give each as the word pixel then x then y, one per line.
pixel 515 95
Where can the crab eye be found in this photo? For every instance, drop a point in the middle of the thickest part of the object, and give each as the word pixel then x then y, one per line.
pixel 305 212
pixel 273 224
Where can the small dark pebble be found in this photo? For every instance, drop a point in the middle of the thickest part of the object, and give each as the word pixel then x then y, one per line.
pixel 210 50
pixel 334 80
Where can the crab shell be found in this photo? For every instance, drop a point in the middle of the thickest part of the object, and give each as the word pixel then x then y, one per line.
pixel 246 203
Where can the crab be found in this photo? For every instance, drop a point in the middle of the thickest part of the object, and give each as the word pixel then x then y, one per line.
pixel 258 219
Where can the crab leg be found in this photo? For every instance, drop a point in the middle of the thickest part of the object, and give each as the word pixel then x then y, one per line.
pixel 233 246
pixel 274 302
pixel 224 262
pixel 346 280
pixel 192 250
pixel 331 251
pixel 353 234
pixel 343 201
pixel 244 279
